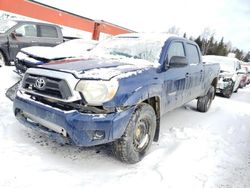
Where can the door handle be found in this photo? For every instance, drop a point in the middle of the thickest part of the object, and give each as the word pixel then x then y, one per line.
pixel 33 41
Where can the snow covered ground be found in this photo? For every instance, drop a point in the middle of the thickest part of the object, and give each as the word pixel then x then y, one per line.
pixel 196 150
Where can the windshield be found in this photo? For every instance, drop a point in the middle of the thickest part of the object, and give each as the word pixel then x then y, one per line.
pixel 6 25
pixel 131 47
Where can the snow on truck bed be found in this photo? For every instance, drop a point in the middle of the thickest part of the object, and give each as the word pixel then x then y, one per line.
pixel 195 150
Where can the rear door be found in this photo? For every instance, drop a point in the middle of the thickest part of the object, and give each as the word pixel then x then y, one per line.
pixel 196 71
pixel 48 35
pixel 26 35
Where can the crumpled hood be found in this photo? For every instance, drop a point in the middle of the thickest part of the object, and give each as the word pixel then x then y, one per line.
pixel 103 69
pixel 49 53
pixel 226 74
pixel 38 51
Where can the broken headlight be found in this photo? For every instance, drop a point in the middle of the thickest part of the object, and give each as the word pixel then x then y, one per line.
pixel 97 92
pixel 227 79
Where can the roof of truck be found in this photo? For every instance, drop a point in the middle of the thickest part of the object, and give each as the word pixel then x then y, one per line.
pixel 33 22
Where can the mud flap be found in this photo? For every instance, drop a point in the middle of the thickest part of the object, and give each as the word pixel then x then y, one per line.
pixel 11 92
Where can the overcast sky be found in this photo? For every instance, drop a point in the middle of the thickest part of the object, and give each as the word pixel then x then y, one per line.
pixel 228 18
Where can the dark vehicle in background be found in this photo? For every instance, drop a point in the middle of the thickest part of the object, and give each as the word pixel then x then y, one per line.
pixel 38 55
pixel 118 94
pixel 16 34
pixel 229 78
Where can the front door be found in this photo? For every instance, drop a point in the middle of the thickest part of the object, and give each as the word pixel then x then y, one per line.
pixel 175 78
pixel 25 36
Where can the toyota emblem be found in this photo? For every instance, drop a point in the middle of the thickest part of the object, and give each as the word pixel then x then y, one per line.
pixel 40 83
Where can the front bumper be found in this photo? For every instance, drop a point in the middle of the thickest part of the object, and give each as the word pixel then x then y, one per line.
pixel 80 128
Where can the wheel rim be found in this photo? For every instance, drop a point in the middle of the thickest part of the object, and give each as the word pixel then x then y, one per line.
pixel 141 135
pixel 1 60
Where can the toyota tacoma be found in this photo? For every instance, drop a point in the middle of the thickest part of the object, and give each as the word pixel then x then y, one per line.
pixel 118 93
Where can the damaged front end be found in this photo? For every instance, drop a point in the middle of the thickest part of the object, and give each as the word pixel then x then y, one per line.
pixel 53 106
pixel 225 85
pixel 83 127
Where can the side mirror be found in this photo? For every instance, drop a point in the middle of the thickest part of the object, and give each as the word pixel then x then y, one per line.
pixel 14 34
pixel 178 61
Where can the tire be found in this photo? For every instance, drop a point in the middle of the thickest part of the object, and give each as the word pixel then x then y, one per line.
pixel 227 92
pixel 2 59
pixel 138 136
pixel 204 103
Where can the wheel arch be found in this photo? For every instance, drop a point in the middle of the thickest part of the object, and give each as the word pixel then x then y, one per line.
pixel 214 84
pixel 152 96
pixel 155 103
pixel 6 57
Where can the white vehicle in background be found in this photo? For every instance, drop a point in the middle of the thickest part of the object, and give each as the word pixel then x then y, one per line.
pixel 229 78
pixel 38 55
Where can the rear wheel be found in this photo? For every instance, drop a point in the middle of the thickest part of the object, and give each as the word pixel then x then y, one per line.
pixel 2 59
pixel 138 136
pixel 204 103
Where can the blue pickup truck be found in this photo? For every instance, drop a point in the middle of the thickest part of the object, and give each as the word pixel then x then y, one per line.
pixel 117 93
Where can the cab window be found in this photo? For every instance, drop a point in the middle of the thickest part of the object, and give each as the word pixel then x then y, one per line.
pixel 27 30
pixel 176 49
pixel 193 54
pixel 48 31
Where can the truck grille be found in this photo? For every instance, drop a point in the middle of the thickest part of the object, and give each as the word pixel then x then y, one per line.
pixel 46 86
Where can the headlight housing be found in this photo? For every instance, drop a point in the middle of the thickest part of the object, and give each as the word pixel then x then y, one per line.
pixel 225 78
pixel 97 92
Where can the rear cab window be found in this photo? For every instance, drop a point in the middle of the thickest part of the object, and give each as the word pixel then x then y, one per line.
pixel 193 53
pixel 47 31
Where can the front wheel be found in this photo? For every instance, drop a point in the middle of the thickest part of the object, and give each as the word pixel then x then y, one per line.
pixel 227 92
pixel 2 59
pixel 204 103
pixel 138 136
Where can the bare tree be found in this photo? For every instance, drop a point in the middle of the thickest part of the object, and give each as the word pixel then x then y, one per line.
pixel 207 38
pixel 229 46
pixel 174 30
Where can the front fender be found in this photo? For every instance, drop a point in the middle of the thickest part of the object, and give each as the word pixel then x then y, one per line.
pixel 143 93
